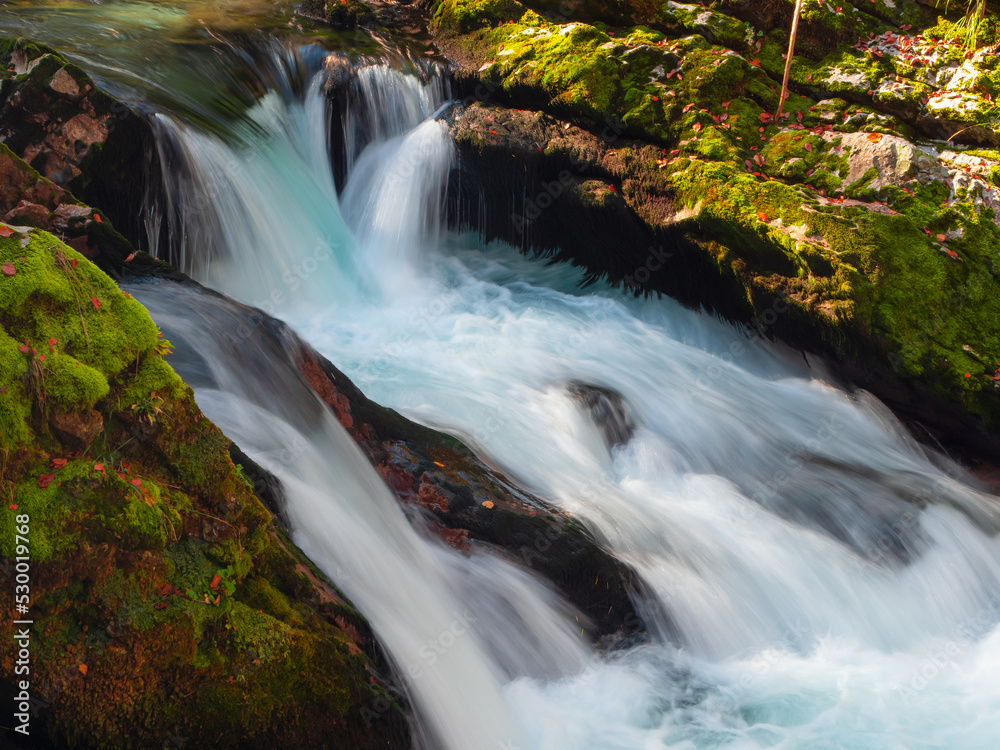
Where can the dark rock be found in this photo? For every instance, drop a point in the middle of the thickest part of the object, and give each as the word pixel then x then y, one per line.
pixel 608 410
pixel 78 429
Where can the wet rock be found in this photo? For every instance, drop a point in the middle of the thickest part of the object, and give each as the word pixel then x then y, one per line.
pixel 469 504
pixel 608 410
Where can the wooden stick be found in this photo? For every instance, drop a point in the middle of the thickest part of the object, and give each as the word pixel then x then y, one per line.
pixel 788 59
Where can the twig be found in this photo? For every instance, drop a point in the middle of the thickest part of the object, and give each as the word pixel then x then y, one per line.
pixel 788 59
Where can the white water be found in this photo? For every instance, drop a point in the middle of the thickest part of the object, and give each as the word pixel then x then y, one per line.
pixel 826 586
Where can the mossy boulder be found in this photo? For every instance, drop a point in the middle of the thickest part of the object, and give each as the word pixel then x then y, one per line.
pixel 165 601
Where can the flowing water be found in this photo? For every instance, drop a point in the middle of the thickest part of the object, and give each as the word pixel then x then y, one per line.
pixel 820 581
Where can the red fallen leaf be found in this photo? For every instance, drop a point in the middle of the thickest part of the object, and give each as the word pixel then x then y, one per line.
pixel 749 164
pixel 127 295
pixel 59 463
pixel 45 480
pixel 97 218
pixel 52 342
pixel 755 63
pixel 765 117
pixel 13 507
pixel 687 108
pixel 807 146
pixel 41 357
pixel 217 599
pixel 762 216
pixel 675 152
pixel 809 77
pixel 23 349
pixel 168 590
pixel 96 303
pixel 656 98
pixel 5 231
pixel 941 238
pixel 132 255
pixel 98 467
pixel 723 117
pixel 74 262
pixel 952 254
pixel 136 483
pixel 83 669
pixel 798 116
pixel 725 105
pixel 838 9
pixel 8 269
pixel 809 172
pixel 696 127
pixel 214 584
pixel 161 605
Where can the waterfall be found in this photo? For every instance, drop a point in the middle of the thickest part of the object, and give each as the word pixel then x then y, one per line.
pixel 821 580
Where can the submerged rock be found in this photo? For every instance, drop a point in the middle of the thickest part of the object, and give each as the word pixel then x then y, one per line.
pixel 608 411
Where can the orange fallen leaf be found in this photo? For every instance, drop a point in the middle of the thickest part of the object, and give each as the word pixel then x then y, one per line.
pixel 45 480
pixel 96 303
pixel 214 584
pixel 874 137
pixel 5 231
pixel 762 216
pixel 83 669
pixel 97 218
pixel 8 269
pixel 59 463
pixel 487 503
pixel 98 467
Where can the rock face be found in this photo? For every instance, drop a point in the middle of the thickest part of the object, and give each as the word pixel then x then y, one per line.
pixel 650 154
pixel 29 199
pixel 73 135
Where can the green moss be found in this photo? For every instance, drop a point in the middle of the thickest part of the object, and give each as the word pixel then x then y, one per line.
pixel 57 293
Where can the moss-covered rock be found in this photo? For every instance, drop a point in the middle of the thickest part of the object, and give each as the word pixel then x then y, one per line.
pixel 877 244
pixel 165 601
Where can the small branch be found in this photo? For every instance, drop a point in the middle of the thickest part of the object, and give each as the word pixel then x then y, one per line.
pixel 788 58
